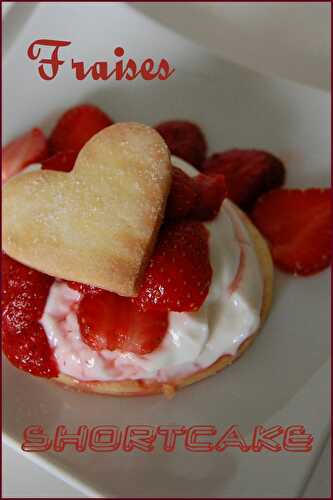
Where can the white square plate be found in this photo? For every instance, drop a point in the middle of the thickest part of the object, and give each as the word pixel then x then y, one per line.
pixel 283 379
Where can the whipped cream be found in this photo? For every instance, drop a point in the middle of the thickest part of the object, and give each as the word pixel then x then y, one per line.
pixel 229 315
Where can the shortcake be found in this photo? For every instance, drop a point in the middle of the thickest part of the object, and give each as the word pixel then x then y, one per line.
pixel 129 271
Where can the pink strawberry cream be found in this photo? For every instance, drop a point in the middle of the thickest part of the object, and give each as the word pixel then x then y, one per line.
pixel 230 314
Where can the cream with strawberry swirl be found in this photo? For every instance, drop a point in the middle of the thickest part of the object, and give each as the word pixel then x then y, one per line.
pixel 229 315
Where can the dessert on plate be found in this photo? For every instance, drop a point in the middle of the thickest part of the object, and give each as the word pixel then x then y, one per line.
pixel 129 264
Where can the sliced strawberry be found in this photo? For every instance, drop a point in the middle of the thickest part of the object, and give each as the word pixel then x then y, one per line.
pixel 18 279
pixel 24 295
pixel 76 126
pixel 182 195
pixel 211 191
pixel 185 140
pixel 108 321
pixel 62 162
pixel 297 224
pixel 179 273
pixel 248 173
pixel 30 147
pixel 29 350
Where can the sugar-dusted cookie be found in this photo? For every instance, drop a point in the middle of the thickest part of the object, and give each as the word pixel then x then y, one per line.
pixel 98 223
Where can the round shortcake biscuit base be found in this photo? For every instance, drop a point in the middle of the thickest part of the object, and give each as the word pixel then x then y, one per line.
pixel 143 387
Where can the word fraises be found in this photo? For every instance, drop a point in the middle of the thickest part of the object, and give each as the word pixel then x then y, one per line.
pixel 47 54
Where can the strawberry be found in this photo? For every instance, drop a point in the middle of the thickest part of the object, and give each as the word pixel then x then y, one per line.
pixel 248 173
pixel 184 139
pixel 29 350
pixel 297 223
pixel 211 191
pixel 24 295
pixel 76 126
pixel 18 279
pixel 30 147
pixel 179 273
pixel 108 321
pixel 62 162
pixel 182 195
pixel 197 198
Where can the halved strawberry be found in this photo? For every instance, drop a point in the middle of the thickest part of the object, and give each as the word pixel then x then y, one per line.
pixel 108 321
pixel 179 273
pixel 76 126
pixel 211 191
pixel 29 148
pixel 298 225
pixel 182 196
pixel 248 173
pixel 184 139
pixel 62 162
pixel 24 294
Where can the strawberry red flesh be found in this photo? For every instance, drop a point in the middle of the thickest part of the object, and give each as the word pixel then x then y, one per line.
pixel 30 147
pixel 185 140
pixel 182 197
pixel 211 191
pixel 248 173
pixel 297 223
pixel 62 162
pixel 76 126
pixel 108 321
pixel 179 273
pixel 24 294
pixel 197 198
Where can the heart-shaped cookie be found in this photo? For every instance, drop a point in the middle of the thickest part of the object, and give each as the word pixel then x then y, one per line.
pixel 98 223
